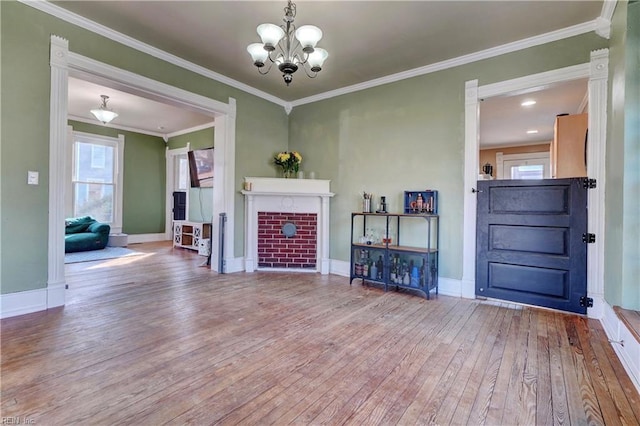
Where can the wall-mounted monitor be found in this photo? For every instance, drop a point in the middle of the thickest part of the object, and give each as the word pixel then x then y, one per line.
pixel 201 168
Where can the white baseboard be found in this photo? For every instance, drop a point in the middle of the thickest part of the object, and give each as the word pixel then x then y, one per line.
pixel 23 302
pixel 623 342
pixel 234 264
pixel 339 267
pixel 147 238
pixel 598 308
pixel 56 294
pixel 449 287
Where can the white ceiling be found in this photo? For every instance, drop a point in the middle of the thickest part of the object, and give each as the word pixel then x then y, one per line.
pixel 365 39
pixel 505 122
pixel 134 112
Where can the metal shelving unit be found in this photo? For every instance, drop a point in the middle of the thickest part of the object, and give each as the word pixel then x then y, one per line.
pixel 411 267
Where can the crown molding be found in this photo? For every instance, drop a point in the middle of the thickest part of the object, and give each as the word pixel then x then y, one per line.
pixel 597 24
pixel 455 62
pixel 75 19
pixel 115 126
pixel 513 145
pixel 608 7
pixel 191 130
pixel 603 22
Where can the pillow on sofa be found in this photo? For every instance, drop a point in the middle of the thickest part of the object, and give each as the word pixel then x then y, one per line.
pixel 78 224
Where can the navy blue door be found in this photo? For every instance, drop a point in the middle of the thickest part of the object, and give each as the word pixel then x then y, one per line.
pixel 179 205
pixel 530 245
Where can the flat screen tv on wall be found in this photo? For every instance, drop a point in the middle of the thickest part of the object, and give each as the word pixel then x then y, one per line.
pixel 201 168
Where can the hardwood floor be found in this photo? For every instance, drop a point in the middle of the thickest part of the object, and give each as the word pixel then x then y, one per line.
pixel 157 339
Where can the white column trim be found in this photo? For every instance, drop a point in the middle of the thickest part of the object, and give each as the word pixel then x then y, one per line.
pixel 323 254
pixel 224 172
pixel 57 151
pixel 471 159
pixel 250 230
pixel 596 161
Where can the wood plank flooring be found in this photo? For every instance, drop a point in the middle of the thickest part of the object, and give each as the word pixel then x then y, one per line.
pixel 157 339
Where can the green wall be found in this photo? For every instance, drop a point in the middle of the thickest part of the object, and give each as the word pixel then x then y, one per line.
pixel 143 197
pixel 622 210
pixel 409 135
pixel 261 129
pixel 403 135
pixel 200 199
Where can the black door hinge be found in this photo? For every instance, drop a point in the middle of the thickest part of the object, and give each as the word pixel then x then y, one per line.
pixel 586 301
pixel 588 183
pixel 589 238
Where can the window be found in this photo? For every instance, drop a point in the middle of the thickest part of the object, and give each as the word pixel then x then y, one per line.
pixel 527 172
pixel 182 175
pixel 533 165
pixel 96 178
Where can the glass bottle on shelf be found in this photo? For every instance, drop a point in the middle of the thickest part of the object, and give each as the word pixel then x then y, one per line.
pixel 380 268
pixel 420 203
pixel 392 271
pixel 405 274
pixel 373 270
pixel 396 260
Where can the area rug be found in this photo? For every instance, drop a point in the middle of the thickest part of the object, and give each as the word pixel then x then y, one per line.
pixel 106 253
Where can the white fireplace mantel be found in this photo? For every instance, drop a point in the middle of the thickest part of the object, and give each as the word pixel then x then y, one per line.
pixel 286 196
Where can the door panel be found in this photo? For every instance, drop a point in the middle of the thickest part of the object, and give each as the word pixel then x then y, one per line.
pixel 179 205
pixel 529 242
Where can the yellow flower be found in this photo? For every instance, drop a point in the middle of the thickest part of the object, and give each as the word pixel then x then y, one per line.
pixel 288 161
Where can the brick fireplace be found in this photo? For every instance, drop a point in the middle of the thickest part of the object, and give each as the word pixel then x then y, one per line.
pixel 276 250
pixel 287 224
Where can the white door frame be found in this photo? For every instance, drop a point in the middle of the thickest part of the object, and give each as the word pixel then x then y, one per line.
pixel 64 64
pixel 597 72
pixel 170 159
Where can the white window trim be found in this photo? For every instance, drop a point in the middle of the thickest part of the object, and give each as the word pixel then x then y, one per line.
pixel 170 156
pixel 501 158
pixel 116 225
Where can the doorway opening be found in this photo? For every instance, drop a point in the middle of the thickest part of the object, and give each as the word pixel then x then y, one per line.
pixel 596 72
pixel 65 64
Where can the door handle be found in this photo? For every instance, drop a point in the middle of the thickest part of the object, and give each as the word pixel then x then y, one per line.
pixel 473 190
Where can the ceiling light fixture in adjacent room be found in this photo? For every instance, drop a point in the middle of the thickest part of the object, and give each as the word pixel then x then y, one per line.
pixel 289 48
pixel 528 103
pixel 532 132
pixel 103 113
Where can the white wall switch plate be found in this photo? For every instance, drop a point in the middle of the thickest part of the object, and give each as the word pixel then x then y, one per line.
pixel 32 177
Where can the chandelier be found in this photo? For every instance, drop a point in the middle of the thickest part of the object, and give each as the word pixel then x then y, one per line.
pixel 289 48
pixel 103 113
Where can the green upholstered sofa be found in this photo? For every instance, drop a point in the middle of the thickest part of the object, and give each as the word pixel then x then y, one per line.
pixel 85 233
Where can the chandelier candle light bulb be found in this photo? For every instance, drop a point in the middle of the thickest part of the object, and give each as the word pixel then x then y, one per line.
pixel 289 48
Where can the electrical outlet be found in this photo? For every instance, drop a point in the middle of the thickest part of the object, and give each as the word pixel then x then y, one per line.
pixel 32 177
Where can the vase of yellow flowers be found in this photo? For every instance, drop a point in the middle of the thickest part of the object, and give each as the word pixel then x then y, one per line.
pixel 289 162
